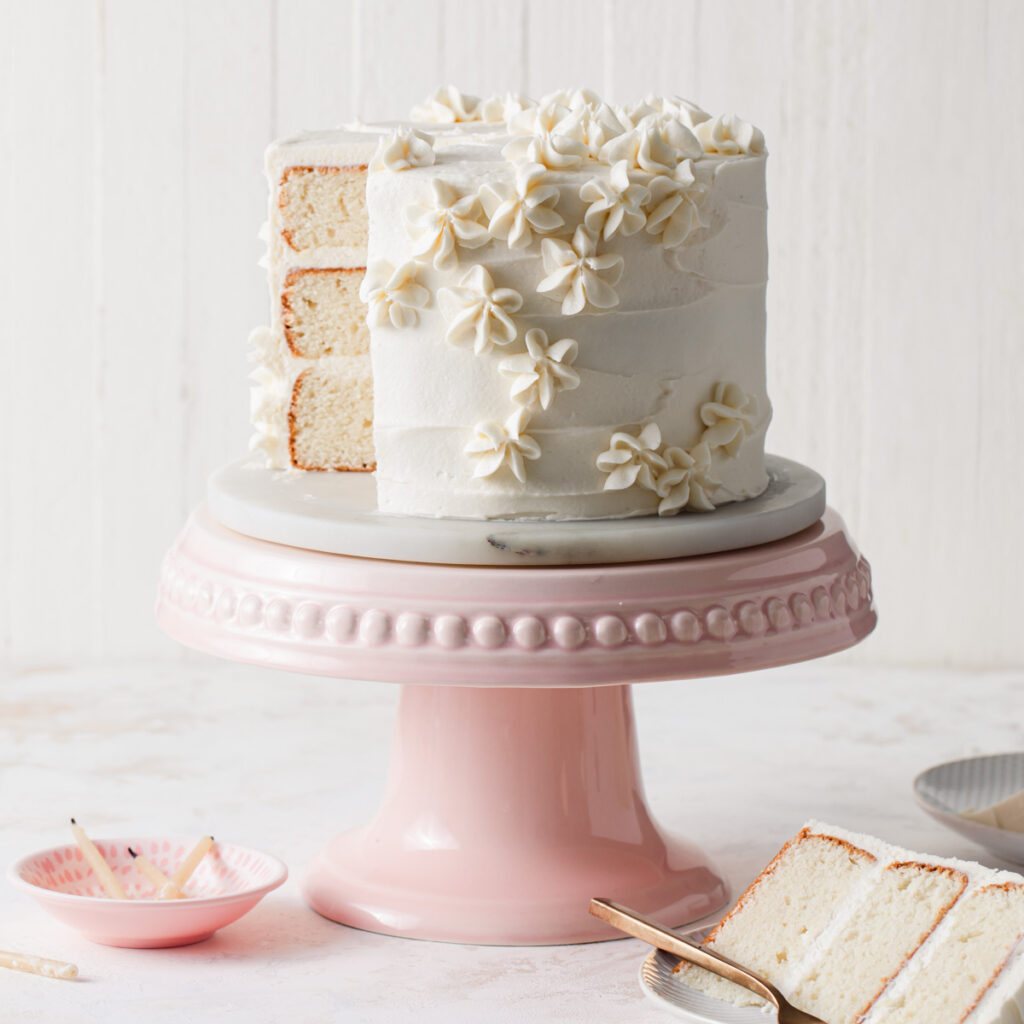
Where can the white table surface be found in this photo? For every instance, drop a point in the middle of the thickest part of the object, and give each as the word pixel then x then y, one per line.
pixel 281 762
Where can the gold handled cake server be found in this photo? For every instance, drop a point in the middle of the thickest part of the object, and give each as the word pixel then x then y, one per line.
pixel 640 927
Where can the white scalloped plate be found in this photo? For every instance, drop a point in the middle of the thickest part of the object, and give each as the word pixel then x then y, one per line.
pixel 947 789
pixel 661 984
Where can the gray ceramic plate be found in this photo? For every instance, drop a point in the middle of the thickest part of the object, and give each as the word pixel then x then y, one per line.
pixel 662 985
pixel 947 789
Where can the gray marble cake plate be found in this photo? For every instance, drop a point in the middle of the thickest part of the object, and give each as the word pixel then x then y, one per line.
pixel 337 513
pixel 945 790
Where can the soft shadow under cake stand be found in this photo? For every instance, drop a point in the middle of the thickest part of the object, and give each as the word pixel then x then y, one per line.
pixel 514 792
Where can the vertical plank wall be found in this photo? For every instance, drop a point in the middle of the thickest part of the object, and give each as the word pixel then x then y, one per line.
pixel 132 191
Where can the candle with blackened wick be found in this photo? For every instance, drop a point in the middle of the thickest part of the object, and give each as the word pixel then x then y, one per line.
pixel 165 887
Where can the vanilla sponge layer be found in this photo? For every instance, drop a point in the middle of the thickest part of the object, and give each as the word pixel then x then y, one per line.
pixel 857 931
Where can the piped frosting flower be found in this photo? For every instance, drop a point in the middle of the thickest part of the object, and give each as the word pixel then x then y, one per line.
pixel 440 228
pixel 541 138
pixel 682 110
pixel 577 275
pixel 594 126
pixel 478 313
pixel 504 108
pixel 517 210
pixel 677 206
pixel 405 148
pixel 447 106
pixel 615 203
pixel 633 459
pixel 730 135
pixel 656 145
pixel 497 445
pixel 543 370
pixel 686 481
pixel 393 294
pixel 553 150
pixel 729 418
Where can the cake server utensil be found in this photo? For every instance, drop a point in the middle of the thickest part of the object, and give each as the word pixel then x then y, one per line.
pixel 640 927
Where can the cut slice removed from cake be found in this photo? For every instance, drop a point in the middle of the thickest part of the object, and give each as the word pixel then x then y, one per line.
pixel 856 931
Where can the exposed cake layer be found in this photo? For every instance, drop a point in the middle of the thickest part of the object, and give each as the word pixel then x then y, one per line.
pixel 312 404
pixel 857 931
pixel 554 331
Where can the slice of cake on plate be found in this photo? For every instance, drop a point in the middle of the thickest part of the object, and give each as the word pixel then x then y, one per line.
pixel 856 931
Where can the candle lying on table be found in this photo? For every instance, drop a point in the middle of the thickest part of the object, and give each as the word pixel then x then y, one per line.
pixel 166 888
pixel 110 884
pixel 38 965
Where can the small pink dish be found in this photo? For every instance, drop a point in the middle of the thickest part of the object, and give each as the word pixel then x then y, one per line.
pixel 229 881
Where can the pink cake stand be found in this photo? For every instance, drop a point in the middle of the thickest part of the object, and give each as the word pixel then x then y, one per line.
pixel 514 792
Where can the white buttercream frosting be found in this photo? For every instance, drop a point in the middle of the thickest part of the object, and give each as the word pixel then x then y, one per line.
pixel 393 294
pixel 578 275
pixel 503 445
pixel 439 227
pixel 686 482
pixel 405 148
pixel 543 370
pixel 478 313
pixel 447 106
pixel 633 459
pixel 730 418
pixel 615 203
pixel 730 135
pixel 518 210
pixel 677 206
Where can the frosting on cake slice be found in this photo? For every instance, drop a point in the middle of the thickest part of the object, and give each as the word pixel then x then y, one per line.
pixel 857 931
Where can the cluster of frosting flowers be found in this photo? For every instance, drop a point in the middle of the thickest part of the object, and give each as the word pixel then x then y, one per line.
pixel 681 478
pixel 572 125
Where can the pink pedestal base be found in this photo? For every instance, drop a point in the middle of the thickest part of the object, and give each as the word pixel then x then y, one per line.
pixel 506 811
pixel 515 793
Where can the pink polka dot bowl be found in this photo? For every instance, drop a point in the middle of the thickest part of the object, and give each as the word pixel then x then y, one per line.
pixel 228 882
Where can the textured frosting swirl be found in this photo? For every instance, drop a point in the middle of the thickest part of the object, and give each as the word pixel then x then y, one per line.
pixel 498 445
pixel 405 148
pixel 633 459
pixel 543 370
pixel 393 294
pixel 730 135
pixel 478 313
pixel 447 106
pixel 519 209
pixel 577 275
pixel 438 228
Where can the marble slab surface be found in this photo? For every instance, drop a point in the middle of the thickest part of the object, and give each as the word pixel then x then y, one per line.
pixel 280 762
pixel 337 513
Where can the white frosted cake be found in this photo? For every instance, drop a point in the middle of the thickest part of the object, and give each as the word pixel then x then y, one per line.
pixel 565 304
pixel 856 931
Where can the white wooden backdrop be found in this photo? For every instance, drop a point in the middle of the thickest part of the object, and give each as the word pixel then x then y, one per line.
pixel 132 135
